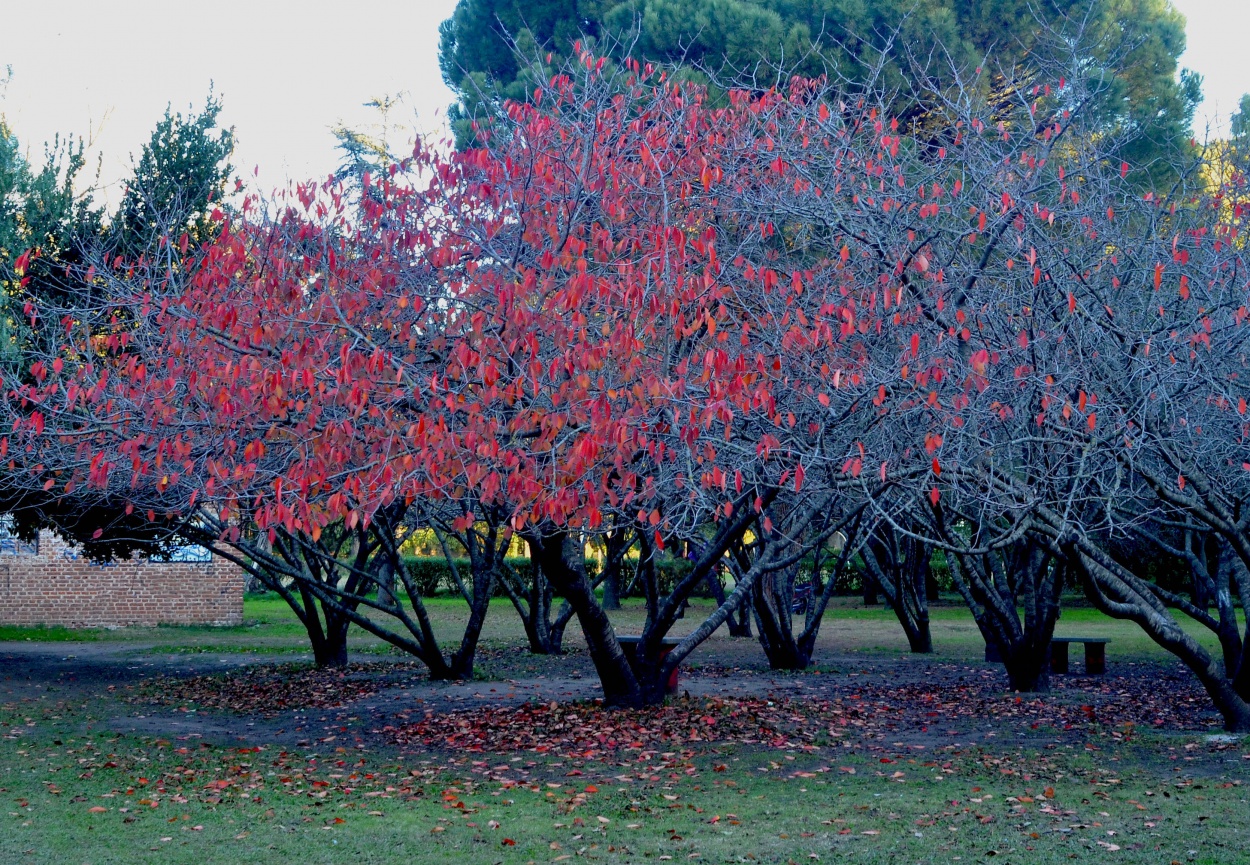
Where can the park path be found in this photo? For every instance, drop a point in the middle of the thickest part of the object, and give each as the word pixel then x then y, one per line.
pixel 103 676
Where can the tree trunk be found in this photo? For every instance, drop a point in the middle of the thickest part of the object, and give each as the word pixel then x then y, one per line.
pixel 329 653
pixel 739 622
pixel 779 646
pixel 386 585
pixel 612 587
pixel 621 685
pixel 919 638
pixel 532 602
pixel 899 567
pixel 1028 668
pixel 1119 593
pixel 328 638
pixel 614 551
pixel 772 601
pixel 483 558
pixel 870 590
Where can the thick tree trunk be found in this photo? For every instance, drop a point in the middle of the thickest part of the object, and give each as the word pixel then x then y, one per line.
pixel 330 652
pixel 739 622
pixel 612 588
pixel 900 569
pixel 919 638
pixel 1122 595
pixel 544 633
pixel 621 685
pixel 1028 668
pixel 327 633
pixel 870 590
pixel 773 618
pixel 995 585
pixel 614 549
pixel 484 568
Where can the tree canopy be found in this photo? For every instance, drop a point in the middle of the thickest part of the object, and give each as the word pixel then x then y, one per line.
pixel 736 324
pixel 52 229
pixel 1130 50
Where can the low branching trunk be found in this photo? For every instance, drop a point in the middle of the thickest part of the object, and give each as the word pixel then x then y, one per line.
pixel 1119 593
pixel 533 599
pixel 616 542
pixel 995 585
pixel 774 592
pixel 899 565
pixel 358 577
pixel 560 559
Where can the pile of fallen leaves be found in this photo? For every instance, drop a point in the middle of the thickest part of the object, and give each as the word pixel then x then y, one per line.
pixel 1116 704
pixel 271 689
pixel 588 730
pixel 1118 707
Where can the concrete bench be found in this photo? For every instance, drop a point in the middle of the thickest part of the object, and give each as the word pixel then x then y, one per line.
pixel 1095 654
pixel 629 645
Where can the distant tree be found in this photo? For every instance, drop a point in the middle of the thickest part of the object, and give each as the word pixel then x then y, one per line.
pixel 368 150
pixel 40 211
pixel 181 174
pixel 1239 129
pixel 51 231
pixel 491 50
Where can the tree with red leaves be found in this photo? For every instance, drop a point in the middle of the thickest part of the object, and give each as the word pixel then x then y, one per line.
pixel 743 327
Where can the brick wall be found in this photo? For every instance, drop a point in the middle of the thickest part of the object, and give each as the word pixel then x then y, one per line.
pixel 54 585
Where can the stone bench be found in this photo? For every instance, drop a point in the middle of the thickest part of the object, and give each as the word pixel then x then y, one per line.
pixel 1095 654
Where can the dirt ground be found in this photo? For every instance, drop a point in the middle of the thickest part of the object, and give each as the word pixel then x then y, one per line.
pixel 906 701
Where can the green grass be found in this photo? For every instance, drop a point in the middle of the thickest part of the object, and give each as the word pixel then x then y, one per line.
pixel 46 634
pixel 183 802
pixel 848 628
pixel 1157 800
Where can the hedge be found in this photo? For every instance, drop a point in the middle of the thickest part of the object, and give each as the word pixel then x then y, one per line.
pixel 432 574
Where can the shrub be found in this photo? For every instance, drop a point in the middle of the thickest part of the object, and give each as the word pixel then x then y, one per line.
pixel 432 574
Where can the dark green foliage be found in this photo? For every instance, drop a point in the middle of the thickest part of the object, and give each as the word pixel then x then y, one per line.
pixel 1130 47
pixel 480 44
pixel 1239 129
pixel 180 176
pixel 40 210
pixel 178 179
pixel 432 574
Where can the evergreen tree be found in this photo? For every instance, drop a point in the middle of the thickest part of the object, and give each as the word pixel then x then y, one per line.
pixel 52 232
pixel 491 50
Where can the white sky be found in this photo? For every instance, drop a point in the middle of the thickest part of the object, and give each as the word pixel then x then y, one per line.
pixel 288 71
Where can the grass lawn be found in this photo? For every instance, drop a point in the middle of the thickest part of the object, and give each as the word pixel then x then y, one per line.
pixel 75 791
pixel 271 628
pixel 94 798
